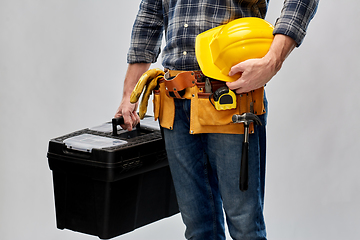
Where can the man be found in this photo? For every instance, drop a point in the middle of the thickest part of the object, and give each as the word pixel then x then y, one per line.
pixel 205 167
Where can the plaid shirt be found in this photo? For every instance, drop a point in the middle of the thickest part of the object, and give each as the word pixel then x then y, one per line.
pixel 183 20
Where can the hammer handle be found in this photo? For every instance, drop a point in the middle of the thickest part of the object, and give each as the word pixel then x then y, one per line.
pixel 244 169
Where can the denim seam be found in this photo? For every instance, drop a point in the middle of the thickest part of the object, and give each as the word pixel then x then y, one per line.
pixel 186 110
pixel 212 200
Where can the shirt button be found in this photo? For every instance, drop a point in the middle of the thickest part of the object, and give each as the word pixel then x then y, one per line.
pixel 186 25
pixel 184 52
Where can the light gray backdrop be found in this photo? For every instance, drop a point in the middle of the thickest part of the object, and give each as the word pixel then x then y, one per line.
pixel 62 65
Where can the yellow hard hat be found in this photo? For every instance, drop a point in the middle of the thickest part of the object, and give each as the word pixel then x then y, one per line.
pixel 222 47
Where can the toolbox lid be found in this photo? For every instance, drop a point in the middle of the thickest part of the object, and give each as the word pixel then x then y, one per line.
pixel 149 122
pixel 86 142
pixel 104 128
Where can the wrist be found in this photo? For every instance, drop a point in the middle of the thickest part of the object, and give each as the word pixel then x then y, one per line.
pixel 273 61
pixel 127 94
pixel 281 47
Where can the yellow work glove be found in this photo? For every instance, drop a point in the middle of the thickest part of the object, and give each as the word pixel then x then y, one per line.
pixel 149 80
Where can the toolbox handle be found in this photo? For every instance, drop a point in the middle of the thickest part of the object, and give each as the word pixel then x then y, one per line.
pixel 119 121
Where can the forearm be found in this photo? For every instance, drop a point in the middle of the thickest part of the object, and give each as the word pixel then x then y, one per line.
pixel 133 74
pixel 126 109
pixel 281 47
pixel 147 32
pixel 255 73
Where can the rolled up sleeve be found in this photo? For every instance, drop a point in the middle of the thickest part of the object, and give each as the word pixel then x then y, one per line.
pixel 146 33
pixel 295 18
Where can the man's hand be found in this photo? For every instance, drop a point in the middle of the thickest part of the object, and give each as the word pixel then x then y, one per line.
pixel 255 73
pixel 126 109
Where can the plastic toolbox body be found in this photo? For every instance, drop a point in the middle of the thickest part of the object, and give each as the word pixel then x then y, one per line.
pixel 106 185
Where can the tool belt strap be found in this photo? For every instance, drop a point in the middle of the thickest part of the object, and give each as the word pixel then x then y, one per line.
pixel 176 85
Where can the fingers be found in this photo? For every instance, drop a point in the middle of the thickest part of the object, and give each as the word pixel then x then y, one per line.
pixel 254 74
pixel 243 85
pixel 128 112
pixel 238 68
pixel 131 119
pixel 135 119
pixel 236 86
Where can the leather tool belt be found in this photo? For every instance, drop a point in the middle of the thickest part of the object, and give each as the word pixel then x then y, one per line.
pixel 176 85
pixel 204 118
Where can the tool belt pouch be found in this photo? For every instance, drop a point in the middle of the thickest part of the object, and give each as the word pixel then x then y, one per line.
pixel 206 119
pixel 164 107
pixel 178 86
pixel 156 102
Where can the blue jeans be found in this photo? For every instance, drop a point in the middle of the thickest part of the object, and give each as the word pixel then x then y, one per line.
pixel 206 169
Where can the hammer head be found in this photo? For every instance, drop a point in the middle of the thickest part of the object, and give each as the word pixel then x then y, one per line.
pixel 246 118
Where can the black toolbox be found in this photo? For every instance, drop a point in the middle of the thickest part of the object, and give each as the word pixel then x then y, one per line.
pixel 109 181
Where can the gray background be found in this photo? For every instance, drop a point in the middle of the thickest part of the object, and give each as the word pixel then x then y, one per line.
pixel 62 65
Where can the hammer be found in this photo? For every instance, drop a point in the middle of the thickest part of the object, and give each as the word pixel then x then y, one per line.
pixel 245 118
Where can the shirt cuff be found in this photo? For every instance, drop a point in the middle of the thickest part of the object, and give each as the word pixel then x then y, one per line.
pixel 292 30
pixel 141 56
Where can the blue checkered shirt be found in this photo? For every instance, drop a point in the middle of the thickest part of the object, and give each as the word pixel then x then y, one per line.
pixel 183 20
